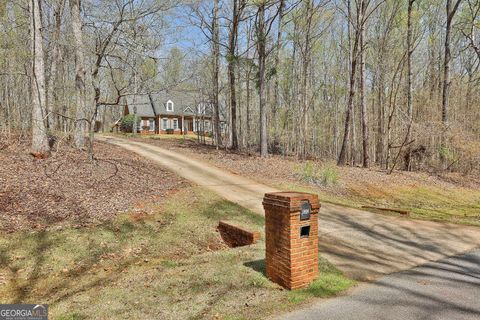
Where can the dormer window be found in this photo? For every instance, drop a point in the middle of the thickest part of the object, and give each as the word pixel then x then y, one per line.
pixel 201 108
pixel 169 105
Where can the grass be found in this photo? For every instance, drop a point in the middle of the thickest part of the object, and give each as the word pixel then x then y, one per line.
pixel 331 282
pixel 426 202
pixel 167 265
pixel 325 175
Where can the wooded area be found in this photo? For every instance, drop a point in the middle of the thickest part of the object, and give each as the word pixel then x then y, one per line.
pixel 361 82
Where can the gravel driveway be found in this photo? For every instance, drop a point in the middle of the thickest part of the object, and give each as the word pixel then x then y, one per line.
pixel 364 245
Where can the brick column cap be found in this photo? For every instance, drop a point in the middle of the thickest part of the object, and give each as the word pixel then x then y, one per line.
pixel 291 200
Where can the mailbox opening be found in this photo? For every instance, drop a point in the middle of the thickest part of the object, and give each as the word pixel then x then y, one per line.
pixel 305 232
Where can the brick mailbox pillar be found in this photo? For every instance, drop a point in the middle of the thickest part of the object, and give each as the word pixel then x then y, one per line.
pixel 291 237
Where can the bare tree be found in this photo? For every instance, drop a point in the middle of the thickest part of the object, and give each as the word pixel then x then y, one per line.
pixel 276 90
pixel 238 7
pixel 93 54
pixel 451 9
pixel 81 120
pixel 362 14
pixel 40 146
pixel 364 111
pixel 216 70
pixel 409 60
pixel 472 26
pixel 52 95
pixel 261 49
pixel 342 158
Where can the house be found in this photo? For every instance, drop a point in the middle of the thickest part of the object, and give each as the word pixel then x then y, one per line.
pixel 169 112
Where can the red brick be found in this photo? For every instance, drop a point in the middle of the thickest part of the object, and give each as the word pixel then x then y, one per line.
pixel 236 236
pixel 291 261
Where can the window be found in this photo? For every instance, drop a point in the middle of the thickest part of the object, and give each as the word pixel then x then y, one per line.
pixel 201 108
pixel 164 123
pixel 169 105
pixel 151 124
pixel 175 124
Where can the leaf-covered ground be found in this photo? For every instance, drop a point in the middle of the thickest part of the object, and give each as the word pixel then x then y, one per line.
pixel 68 188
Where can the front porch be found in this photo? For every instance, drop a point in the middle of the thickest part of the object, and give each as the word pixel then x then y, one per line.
pixel 163 124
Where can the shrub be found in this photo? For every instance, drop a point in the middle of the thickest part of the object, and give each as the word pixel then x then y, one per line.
pixel 329 175
pixel 325 176
pixel 307 172
pixel 126 124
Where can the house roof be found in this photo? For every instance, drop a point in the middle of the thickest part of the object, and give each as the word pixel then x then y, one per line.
pixel 151 105
pixel 141 105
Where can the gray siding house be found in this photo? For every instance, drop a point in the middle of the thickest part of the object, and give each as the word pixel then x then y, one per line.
pixel 169 112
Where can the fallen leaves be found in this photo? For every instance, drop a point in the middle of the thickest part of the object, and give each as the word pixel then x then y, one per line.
pixel 69 188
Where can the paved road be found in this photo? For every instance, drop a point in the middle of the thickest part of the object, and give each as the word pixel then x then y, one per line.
pixel 448 289
pixel 362 244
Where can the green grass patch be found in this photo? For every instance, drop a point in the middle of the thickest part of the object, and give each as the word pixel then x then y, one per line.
pixel 324 195
pixel 452 205
pixel 330 282
pixel 311 172
pixel 169 265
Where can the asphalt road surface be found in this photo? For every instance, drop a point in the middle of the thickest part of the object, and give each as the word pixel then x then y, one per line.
pixel 448 289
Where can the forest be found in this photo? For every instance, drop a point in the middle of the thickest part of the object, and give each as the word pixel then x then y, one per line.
pixel 387 83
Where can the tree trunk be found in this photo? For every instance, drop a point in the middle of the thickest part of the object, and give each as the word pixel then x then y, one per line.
pixel 232 61
pixel 409 60
pixel 216 67
pixel 446 76
pixel 247 99
pixel 52 96
pixel 379 148
pixel 342 158
pixel 247 135
pixel 276 89
pixel 409 80
pixel 305 69
pixel 40 145
pixel 81 112
pixel 364 111
pixel 261 78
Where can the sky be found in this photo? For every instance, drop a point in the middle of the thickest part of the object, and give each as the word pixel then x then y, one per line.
pixel 183 34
